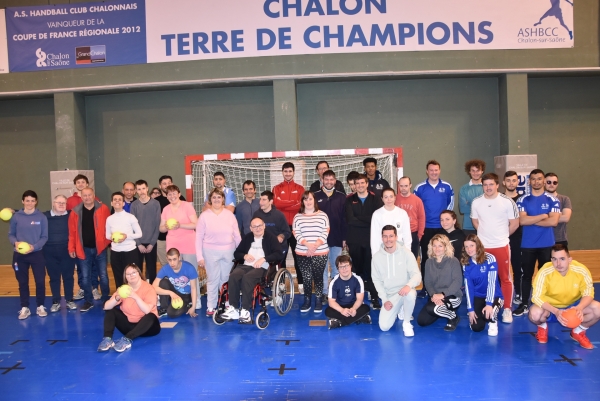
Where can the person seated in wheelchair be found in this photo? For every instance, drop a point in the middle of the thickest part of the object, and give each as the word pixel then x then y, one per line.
pixel 253 255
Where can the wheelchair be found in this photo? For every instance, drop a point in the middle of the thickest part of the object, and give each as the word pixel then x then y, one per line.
pixel 276 288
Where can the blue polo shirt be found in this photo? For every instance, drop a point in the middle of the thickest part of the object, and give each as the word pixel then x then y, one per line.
pixel 435 200
pixel 344 291
pixel 535 236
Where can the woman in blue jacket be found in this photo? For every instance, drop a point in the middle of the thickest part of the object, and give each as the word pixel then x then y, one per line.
pixel 482 287
pixel 28 234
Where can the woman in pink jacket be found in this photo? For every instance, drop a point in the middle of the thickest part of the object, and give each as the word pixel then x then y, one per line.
pixel 217 236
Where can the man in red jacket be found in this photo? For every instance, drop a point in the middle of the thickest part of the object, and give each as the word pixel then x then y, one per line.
pixel 88 243
pixel 287 198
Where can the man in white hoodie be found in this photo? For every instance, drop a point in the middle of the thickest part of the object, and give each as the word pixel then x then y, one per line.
pixel 395 275
pixel 390 214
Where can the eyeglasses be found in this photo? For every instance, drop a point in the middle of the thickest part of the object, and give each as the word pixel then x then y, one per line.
pixel 155 193
pixel 552 182
pixel 258 226
pixel 60 203
pixel 343 266
pixel 131 274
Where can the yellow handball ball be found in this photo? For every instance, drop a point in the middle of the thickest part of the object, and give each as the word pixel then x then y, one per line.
pixel 23 247
pixel 116 236
pixel 6 214
pixel 124 291
pixel 177 303
pixel 171 223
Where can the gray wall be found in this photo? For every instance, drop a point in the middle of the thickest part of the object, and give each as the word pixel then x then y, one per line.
pixel 28 145
pixel 450 120
pixel 145 135
pixel 564 117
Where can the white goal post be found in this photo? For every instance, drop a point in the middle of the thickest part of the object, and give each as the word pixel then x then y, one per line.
pixel 264 168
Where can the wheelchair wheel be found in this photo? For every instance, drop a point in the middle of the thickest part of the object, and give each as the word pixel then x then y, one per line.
pixel 217 317
pixel 283 292
pixel 262 320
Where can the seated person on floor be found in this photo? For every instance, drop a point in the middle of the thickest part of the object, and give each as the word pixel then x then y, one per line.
pixel 257 249
pixel 346 295
pixel 137 315
pixel 560 285
pixel 174 282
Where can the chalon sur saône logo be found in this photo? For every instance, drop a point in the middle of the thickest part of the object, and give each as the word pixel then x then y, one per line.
pixel 545 30
pixel 51 59
pixel 90 54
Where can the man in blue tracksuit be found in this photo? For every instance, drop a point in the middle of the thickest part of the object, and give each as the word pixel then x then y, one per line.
pixel 437 195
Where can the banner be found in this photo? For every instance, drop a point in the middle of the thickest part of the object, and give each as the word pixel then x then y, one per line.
pixel 206 29
pixel 3 45
pixel 76 35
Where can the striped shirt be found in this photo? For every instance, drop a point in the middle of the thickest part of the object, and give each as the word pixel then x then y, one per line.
pixel 311 228
pixel 561 291
pixel 481 281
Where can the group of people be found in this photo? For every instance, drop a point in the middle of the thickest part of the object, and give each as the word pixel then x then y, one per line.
pixel 381 232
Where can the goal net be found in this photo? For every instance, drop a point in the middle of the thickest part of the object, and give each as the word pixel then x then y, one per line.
pixel 264 168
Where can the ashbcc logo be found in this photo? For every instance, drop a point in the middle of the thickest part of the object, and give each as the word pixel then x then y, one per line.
pixel 50 59
pixel 90 54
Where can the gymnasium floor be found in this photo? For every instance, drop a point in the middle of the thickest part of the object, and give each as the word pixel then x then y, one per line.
pixel 55 358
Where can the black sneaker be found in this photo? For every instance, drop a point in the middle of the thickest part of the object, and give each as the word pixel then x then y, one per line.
pixel 517 300
pixel 422 294
pixel 324 299
pixel 306 305
pixel 86 306
pixel 521 310
pixel 366 319
pixel 452 323
pixel 318 306
pixel 375 304
pixel 162 312
pixel 334 324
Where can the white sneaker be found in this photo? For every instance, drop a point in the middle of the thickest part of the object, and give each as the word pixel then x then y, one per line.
pixel 231 313
pixel 493 329
pixel 245 317
pixel 301 288
pixel 96 294
pixel 41 311
pixel 198 303
pixel 408 329
pixel 55 307
pixel 506 316
pixel 24 313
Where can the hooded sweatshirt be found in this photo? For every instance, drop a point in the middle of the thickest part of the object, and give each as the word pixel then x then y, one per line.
pixel 392 271
pixel 444 277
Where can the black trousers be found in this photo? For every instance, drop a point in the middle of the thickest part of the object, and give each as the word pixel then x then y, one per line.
pixel 529 257
pixel 292 243
pixel 60 266
pixel 427 236
pixel 478 305
pixel 414 246
pixel 432 312
pixel 148 326
pixel 515 262
pixel 120 260
pixel 165 300
pixel 244 278
pixel 360 253
pixel 21 264
pixel 150 259
pixel 361 312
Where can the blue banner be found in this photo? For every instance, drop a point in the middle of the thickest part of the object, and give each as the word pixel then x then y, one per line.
pixel 76 35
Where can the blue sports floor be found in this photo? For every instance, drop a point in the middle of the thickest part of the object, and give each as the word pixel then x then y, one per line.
pixel 55 358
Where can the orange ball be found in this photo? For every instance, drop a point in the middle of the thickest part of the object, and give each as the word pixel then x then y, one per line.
pixel 570 315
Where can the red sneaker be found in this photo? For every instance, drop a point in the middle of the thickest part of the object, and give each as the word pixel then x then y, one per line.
pixel 582 339
pixel 542 335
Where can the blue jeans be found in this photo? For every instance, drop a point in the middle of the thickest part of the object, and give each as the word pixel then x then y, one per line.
pixel 95 275
pixel 98 260
pixel 334 252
